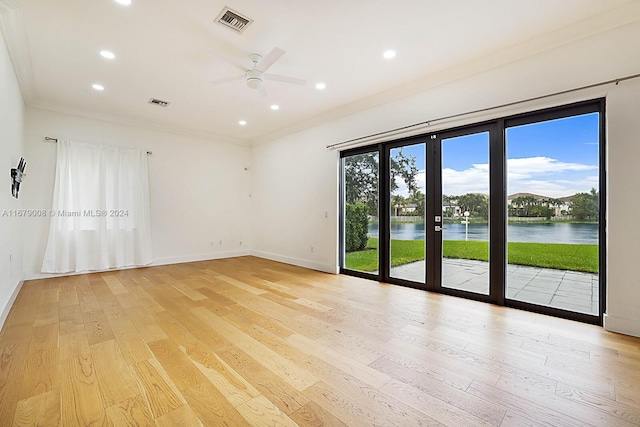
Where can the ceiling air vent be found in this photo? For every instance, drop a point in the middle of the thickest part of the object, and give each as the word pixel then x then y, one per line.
pixel 232 19
pixel 159 102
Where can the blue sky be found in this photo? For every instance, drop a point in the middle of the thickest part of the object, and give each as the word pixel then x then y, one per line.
pixel 555 158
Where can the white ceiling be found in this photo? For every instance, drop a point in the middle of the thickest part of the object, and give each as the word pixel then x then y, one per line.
pixel 166 49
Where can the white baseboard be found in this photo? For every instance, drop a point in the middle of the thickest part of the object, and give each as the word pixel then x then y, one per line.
pixel 159 261
pixel 12 299
pixel 331 269
pixel 621 325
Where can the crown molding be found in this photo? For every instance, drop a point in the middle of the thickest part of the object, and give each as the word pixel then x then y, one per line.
pixel 15 37
pixel 141 124
pixel 589 27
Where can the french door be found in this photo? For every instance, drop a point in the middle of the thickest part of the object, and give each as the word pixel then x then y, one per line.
pixel 508 212
pixel 437 226
pixel 425 219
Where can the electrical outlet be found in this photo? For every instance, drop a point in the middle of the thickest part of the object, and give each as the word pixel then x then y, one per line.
pixel 220 243
pixel 240 242
pixel 326 214
pixel 311 249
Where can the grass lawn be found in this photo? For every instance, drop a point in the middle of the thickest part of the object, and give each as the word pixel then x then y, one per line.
pixel 548 255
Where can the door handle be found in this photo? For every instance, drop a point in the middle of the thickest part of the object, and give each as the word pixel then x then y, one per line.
pixel 438 228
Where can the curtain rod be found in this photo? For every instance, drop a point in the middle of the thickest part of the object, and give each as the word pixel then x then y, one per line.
pixel 48 138
pixel 481 110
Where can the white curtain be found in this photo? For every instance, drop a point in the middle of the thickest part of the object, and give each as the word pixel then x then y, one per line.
pixel 100 215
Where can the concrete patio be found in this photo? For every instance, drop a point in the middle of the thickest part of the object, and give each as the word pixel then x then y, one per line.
pixel 568 290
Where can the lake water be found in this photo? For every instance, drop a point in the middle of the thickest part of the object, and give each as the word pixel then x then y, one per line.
pixel 520 232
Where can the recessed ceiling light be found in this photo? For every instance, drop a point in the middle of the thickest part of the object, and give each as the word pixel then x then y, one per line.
pixel 96 86
pixel 321 86
pixel 275 107
pixel 242 122
pixel 123 2
pixel 389 54
pixel 107 54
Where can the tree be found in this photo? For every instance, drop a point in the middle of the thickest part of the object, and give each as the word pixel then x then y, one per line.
pixel 476 204
pixel 418 198
pixel 362 172
pixel 361 180
pixel 585 206
pixel 397 204
pixel 522 206
pixel 361 176
pixel 356 227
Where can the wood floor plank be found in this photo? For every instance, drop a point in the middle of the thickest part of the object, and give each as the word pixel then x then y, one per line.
pixel 363 372
pixel 70 319
pixel 47 314
pixel 108 359
pixel 145 324
pixel 115 285
pixel 130 412
pixel 156 388
pixel 288 371
pixel 314 415
pixel 39 410
pixel 180 368
pixel 518 404
pixel 86 298
pixel 13 359
pixel 81 403
pixel 41 374
pixel 182 416
pixel 350 409
pixel 24 309
pixel 68 295
pixel 235 389
pixel 443 391
pixel 248 341
pixel 73 345
pixel 50 293
pixel 433 407
pixel 97 327
pixel 259 411
pixel 44 338
pixel 265 381
pixel 133 347
pixel 212 407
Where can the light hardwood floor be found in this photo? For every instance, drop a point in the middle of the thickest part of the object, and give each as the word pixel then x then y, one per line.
pixel 246 341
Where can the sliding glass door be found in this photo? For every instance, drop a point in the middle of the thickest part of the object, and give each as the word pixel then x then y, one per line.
pixel 509 212
pixel 360 207
pixel 406 219
pixel 553 231
pixel 465 205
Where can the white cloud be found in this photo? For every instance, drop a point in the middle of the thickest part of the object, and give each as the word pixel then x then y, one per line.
pixel 529 166
pixel 540 175
pixel 472 180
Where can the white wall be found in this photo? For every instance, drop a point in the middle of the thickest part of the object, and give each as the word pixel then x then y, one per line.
pixel 295 203
pixel 199 189
pixel 623 304
pixel 295 178
pixel 11 149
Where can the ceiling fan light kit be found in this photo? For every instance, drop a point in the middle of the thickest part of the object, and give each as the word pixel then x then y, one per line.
pixel 255 76
pixel 255 79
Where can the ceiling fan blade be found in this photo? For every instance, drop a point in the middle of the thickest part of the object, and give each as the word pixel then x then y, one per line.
pixel 271 57
pixel 284 79
pixel 226 80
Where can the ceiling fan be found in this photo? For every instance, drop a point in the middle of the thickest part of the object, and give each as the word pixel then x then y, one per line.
pixel 256 75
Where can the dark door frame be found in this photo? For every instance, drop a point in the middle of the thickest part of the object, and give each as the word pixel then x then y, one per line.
pixel 497 210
